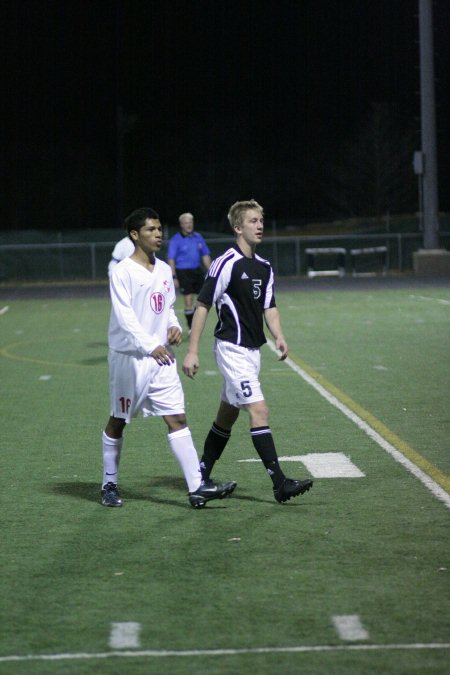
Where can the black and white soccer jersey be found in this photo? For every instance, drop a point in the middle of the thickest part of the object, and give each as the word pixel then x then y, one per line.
pixel 241 289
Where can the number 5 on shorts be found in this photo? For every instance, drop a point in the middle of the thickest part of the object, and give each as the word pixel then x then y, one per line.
pixel 246 388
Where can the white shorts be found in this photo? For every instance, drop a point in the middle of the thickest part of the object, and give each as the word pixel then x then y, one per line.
pixel 239 367
pixel 141 385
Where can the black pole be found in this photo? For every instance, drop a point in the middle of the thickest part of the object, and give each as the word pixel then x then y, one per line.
pixel 428 127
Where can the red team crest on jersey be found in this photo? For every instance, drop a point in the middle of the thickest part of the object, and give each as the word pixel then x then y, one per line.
pixel 157 302
pixel 166 285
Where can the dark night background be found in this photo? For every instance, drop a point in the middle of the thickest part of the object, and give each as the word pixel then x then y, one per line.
pixel 210 102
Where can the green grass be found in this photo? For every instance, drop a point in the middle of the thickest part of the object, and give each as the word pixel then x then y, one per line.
pixel 244 573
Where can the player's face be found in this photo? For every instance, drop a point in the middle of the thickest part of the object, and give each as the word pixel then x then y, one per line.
pixel 149 236
pixel 252 227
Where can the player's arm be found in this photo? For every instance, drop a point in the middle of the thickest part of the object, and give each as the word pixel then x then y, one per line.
pixel 273 322
pixel 191 361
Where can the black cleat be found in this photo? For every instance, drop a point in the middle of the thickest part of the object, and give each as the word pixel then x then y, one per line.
pixel 110 495
pixel 209 490
pixel 291 488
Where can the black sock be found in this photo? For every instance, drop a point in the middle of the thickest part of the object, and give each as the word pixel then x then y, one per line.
pixel 263 441
pixel 189 313
pixel 215 443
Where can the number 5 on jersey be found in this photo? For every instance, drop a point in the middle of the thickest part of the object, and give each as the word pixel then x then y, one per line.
pixel 246 388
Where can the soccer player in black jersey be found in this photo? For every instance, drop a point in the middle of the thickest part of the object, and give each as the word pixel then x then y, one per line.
pixel 241 286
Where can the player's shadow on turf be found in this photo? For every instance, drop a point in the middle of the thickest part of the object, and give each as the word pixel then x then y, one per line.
pixel 80 490
pixel 268 500
pixel 90 491
pixel 148 492
pixel 95 361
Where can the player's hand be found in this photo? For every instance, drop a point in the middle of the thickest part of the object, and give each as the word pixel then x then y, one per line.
pixel 191 365
pixel 162 356
pixel 281 345
pixel 174 336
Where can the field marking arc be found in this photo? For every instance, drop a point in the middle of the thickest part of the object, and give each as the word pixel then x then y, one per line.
pixel 4 351
pixel 429 475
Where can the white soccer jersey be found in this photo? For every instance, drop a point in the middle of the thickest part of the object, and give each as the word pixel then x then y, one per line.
pixel 142 307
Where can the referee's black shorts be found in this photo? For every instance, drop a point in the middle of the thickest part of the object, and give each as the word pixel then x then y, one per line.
pixel 190 280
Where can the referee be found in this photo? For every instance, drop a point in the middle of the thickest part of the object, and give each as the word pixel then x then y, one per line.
pixel 188 257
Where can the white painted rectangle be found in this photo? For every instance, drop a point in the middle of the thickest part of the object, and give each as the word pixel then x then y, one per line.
pixel 349 627
pixel 323 464
pixel 329 465
pixel 124 635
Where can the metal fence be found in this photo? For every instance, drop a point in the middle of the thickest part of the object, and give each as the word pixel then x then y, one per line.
pixel 89 260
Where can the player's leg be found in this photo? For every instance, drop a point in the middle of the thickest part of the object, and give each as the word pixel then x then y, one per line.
pixel 188 308
pixel 124 384
pixel 218 436
pixel 166 399
pixel 112 441
pixel 240 368
pixel 182 446
pixel 283 488
pixel 187 291
pixel 262 439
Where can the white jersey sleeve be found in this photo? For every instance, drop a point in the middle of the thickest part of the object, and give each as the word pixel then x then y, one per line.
pixel 173 320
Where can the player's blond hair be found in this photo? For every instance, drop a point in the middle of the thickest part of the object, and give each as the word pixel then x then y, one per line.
pixel 238 209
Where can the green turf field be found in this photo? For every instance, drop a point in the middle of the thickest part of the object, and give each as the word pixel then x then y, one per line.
pixel 245 585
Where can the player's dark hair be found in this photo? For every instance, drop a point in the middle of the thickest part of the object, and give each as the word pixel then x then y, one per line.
pixel 137 219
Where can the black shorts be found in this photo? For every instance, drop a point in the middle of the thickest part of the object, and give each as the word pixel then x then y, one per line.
pixel 190 281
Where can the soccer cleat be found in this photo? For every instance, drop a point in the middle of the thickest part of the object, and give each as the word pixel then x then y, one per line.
pixel 209 490
pixel 291 488
pixel 110 495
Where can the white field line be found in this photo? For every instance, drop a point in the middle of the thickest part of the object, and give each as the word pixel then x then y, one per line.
pixel 424 478
pixel 4 309
pixel 428 297
pixel 158 653
pixel 349 627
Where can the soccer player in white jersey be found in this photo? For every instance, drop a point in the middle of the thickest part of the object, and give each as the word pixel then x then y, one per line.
pixel 241 286
pixel 143 378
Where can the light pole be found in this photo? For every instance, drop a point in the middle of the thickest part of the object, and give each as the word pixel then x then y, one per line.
pixel 428 127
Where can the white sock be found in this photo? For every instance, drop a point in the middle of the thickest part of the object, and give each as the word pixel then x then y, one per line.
pixel 183 448
pixel 111 457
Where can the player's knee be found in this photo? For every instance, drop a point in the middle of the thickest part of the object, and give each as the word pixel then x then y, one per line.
pixel 175 422
pixel 259 414
pixel 226 415
pixel 115 427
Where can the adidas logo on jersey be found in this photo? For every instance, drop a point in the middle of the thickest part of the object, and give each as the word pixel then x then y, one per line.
pixel 244 275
